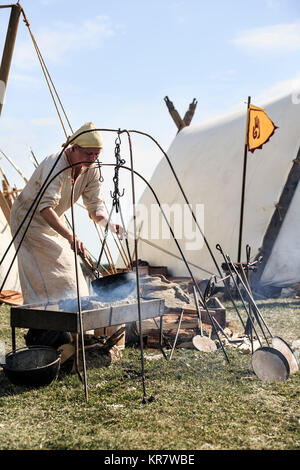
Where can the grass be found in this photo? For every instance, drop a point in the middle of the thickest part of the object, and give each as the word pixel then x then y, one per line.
pixel 201 401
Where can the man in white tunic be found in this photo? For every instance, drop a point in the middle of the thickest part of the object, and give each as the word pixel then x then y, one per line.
pixel 46 257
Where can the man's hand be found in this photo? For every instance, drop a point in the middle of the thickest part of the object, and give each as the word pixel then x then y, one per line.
pixel 79 246
pixel 54 221
pixel 118 229
pixel 100 217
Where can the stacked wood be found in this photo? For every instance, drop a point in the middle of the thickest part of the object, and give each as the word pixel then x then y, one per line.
pixel 100 351
pixel 215 308
pixel 176 300
pixel 188 329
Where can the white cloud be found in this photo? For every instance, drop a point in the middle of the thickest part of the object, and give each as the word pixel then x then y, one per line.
pixel 62 38
pixel 279 89
pixel 281 37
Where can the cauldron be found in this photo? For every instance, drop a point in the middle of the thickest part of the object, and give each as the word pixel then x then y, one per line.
pixel 34 366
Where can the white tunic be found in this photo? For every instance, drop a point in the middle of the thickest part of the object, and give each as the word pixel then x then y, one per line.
pixel 46 261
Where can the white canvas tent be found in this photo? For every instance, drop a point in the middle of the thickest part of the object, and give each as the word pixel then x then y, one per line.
pixel 208 159
pixel 12 282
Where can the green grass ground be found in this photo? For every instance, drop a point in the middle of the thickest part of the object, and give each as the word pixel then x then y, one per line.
pixel 201 402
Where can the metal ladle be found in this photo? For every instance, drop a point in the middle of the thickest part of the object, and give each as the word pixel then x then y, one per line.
pixel 278 343
pixel 201 342
pixel 270 364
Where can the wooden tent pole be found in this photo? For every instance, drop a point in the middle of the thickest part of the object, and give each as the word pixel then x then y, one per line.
pixel 5 207
pixel 186 121
pixel 8 50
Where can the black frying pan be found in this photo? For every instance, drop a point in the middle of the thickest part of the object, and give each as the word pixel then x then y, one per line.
pixel 114 286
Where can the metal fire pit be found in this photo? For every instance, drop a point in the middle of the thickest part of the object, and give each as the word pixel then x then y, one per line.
pixel 51 317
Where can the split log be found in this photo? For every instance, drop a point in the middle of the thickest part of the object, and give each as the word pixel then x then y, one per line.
pixel 96 358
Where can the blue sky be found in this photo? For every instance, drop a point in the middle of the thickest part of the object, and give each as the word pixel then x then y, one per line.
pixel 114 62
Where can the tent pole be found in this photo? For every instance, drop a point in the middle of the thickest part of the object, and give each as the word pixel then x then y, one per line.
pixel 8 50
pixel 243 185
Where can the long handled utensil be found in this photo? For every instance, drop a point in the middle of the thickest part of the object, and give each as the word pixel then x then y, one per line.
pixel 201 342
pixel 233 341
pixel 240 294
pixel 267 364
pixel 270 364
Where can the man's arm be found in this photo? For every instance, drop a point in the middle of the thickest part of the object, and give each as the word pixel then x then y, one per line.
pixel 54 221
pixel 99 217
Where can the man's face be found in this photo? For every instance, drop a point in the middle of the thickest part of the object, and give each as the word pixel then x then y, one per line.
pixel 88 155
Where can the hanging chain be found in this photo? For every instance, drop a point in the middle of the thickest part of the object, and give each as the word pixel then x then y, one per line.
pixel 119 162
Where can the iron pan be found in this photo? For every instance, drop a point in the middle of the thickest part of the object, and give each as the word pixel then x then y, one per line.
pixel 115 286
pixel 34 366
pixel 270 365
pixel 204 344
pixel 286 350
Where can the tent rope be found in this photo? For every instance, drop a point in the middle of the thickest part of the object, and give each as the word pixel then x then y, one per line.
pixel 48 78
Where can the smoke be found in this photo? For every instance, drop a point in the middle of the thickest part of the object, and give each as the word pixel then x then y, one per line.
pixel 102 296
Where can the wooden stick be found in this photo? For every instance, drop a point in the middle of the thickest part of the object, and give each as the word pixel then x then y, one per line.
pixel 5 207
pixel 9 45
pixel 125 261
pixel 110 262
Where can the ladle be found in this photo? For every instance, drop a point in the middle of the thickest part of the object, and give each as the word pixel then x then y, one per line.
pixel 201 342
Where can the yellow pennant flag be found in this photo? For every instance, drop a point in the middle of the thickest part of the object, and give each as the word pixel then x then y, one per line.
pixel 260 128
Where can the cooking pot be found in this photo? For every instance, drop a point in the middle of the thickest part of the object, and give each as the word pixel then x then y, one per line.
pixel 114 286
pixel 33 366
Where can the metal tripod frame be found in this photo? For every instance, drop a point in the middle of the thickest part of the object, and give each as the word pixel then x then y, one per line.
pixel 133 172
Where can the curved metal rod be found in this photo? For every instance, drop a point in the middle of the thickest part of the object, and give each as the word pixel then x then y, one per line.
pixel 45 186
pixel 219 248
pixel 36 201
pixel 252 301
pixel 245 307
pixel 69 141
pixel 137 268
pixel 78 303
pixel 192 212
pixel 42 188
pixel 178 246
pixel 183 193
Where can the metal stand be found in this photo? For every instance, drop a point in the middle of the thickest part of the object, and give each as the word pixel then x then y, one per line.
pixel 177 332
pixel 117 195
pixel 79 306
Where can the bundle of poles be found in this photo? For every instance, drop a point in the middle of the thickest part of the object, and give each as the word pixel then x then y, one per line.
pixel 243 289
